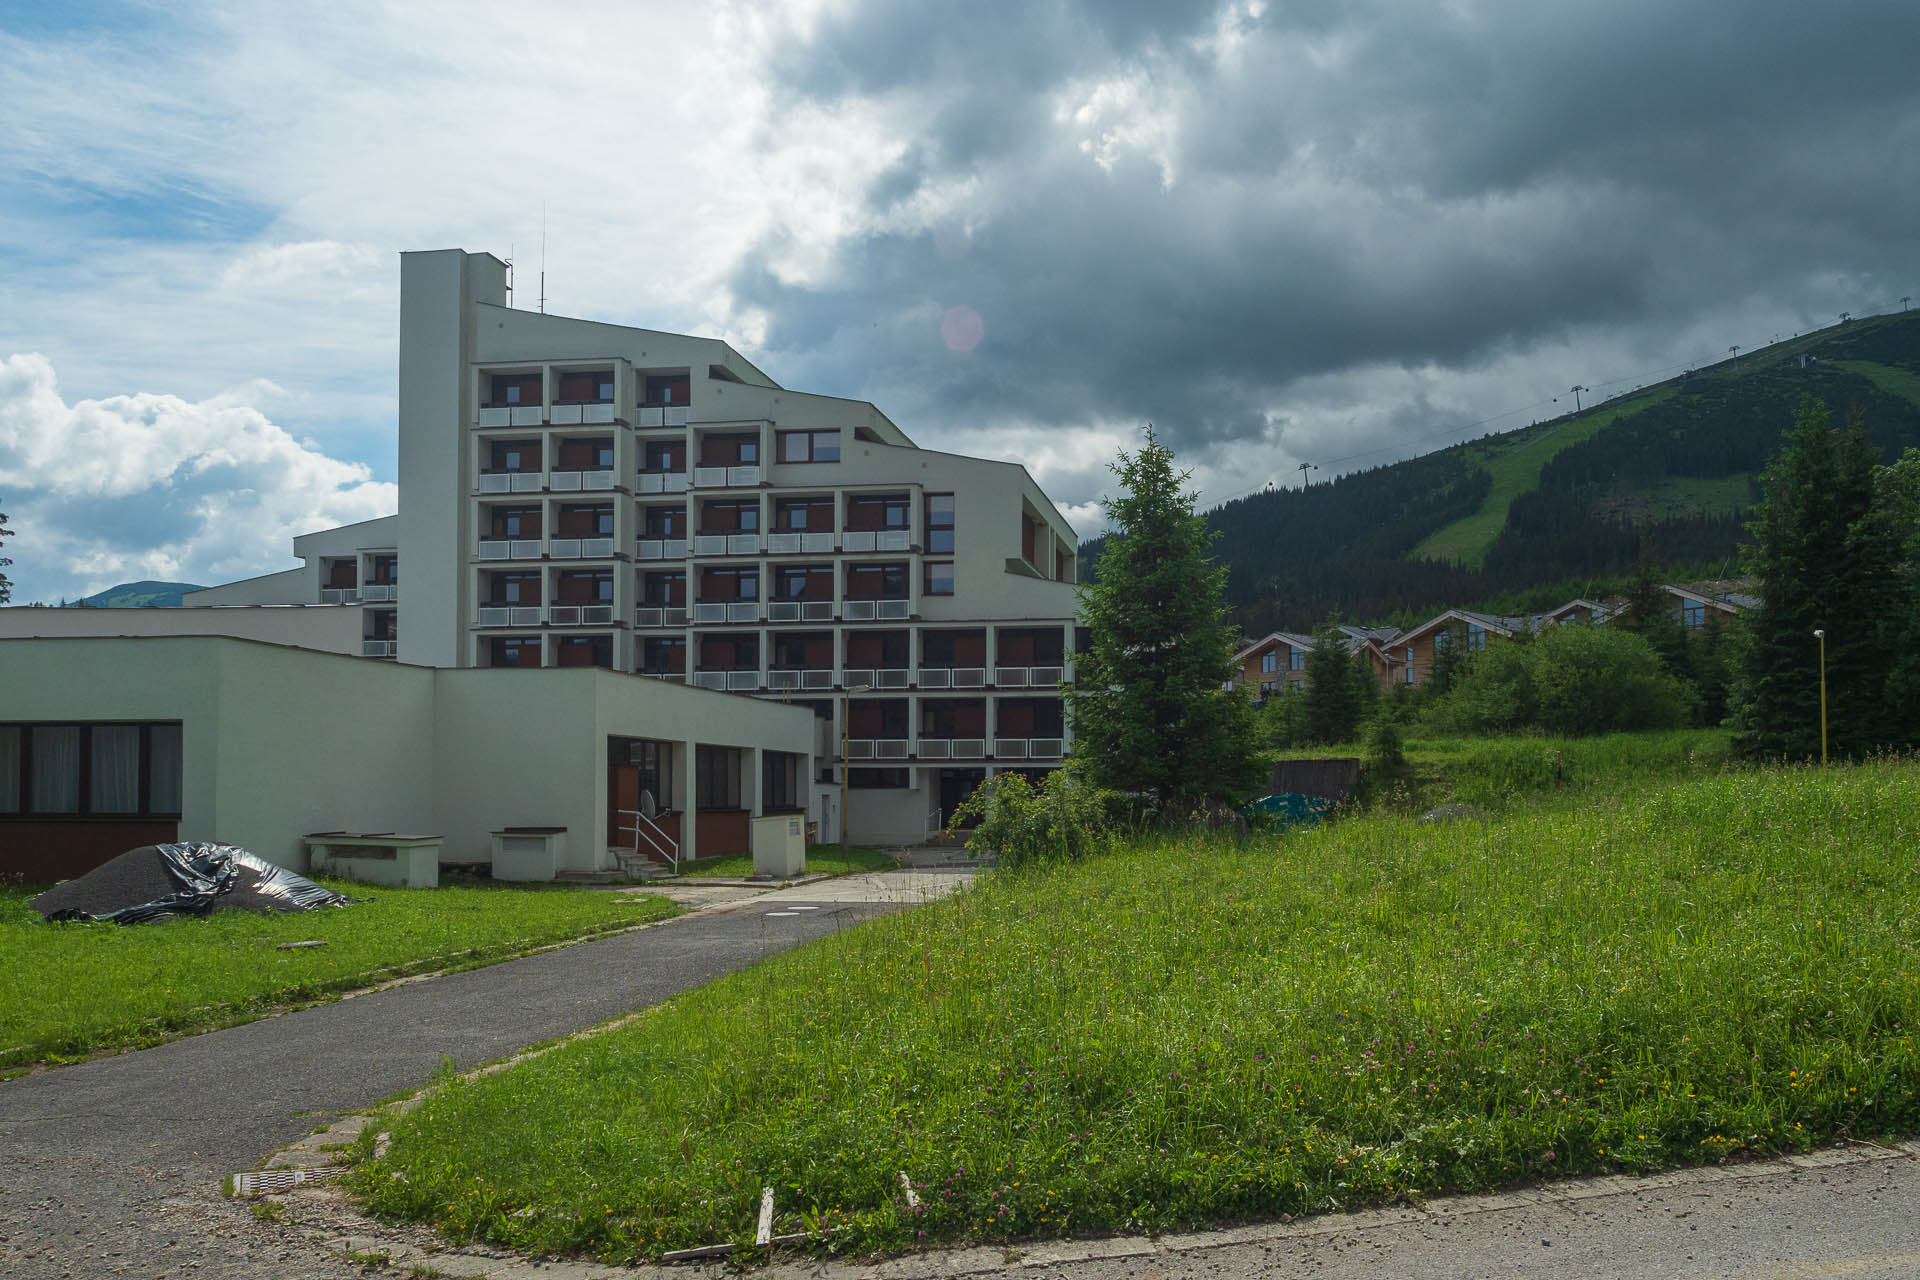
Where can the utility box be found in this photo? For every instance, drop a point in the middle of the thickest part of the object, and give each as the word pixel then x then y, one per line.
pixel 408 862
pixel 780 846
pixel 528 853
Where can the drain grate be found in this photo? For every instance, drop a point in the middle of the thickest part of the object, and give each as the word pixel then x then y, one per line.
pixel 272 1181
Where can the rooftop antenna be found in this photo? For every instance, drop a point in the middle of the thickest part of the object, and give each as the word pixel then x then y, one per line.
pixel 543 257
pixel 510 249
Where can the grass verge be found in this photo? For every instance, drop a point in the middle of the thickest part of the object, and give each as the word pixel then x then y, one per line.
pixel 1194 1031
pixel 822 859
pixel 78 989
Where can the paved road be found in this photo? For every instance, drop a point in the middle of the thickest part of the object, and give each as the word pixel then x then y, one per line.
pixel 111 1166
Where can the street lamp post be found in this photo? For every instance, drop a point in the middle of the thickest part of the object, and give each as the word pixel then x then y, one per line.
pixel 1821 636
pixel 846 706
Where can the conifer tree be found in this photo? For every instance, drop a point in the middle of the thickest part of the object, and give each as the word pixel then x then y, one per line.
pixel 1825 555
pixel 1150 714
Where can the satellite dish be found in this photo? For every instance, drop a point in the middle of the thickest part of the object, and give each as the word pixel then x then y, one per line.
pixel 647 807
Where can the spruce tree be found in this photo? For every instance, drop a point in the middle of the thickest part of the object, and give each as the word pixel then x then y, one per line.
pixel 1150 714
pixel 1338 691
pixel 1825 554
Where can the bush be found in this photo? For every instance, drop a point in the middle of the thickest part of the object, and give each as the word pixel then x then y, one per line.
pixel 1386 751
pixel 1065 820
pixel 1571 680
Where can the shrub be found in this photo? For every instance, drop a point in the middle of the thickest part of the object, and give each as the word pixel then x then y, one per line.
pixel 1065 819
pixel 1386 751
pixel 1572 680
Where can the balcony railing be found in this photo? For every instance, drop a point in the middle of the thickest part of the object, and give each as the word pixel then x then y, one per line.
pixel 508 549
pixel 512 415
pixel 878 749
pixel 661 482
pixel 1045 748
pixel 952 748
pixel 509 615
pixel 653 615
pixel 782 544
pixel 1028 677
pixel 953 677
pixel 788 681
pixel 892 540
pixel 800 611
pixel 580 548
pixel 728 681
pixel 879 677
pixel 569 415
pixel 1010 748
pixel 736 611
pixel 378 592
pixel 339 595
pixel 378 648
pixel 511 481
pixel 579 481
pixel 581 615
pixel 671 677
pixel 664 415
pixel 726 544
pixel 663 548
pixel 705 477
pixel 857 540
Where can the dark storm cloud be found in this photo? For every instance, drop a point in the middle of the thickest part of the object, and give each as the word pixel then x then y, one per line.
pixel 1354 186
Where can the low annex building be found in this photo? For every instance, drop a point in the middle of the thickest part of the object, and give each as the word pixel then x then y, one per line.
pixel 110 742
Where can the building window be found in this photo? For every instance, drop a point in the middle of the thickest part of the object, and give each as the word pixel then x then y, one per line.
pixel 1270 660
pixel 513 389
pixel 653 760
pixel 1476 637
pixel 878 512
pixel 780 782
pixel 1267 687
pixel 877 779
pixel 939 578
pixel 1694 614
pixel 514 653
pixel 716 779
pixel 1409 664
pixel 90 770
pixel 1297 659
pixel 940 522
pixel 809 446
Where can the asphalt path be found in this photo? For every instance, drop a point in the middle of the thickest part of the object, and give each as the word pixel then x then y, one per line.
pixel 113 1165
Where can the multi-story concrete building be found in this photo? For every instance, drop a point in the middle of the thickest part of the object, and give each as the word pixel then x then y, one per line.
pixel 579 494
pixel 576 493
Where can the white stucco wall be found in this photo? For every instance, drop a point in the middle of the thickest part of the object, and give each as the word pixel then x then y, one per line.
pixel 281 742
pixel 328 628
pixel 291 586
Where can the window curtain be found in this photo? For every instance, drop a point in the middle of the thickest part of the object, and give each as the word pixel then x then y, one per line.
pixel 163 769
pixel 9 768
pixel 115 778
pixel 56 768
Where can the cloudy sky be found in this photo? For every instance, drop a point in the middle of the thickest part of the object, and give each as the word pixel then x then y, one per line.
pixel 1338 233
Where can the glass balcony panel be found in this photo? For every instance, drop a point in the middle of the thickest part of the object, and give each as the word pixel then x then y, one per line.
pixel 857 540
pixel 816 611
pixel 893 610
pixel 565 548
pixel 781 544
pixel 523 549
pixel 703 613
pixel 743 681
pixel 565 482
pixel 596 413
pixel 743 544
pixel 969 677
pixel 1012 677
pixel 891 540
pixel 526 415
pixel 746 611
pixel 816 679
pixel 936 678
pixel 565 415
pixel 501 417
pixel 743 475
pixel 678 415
pixel 969 748
pixel 710 477
pixel 651 415
pixel 709 544
pixel 936 749
pixel 812 542
pixel 1010 748
pixel 857 610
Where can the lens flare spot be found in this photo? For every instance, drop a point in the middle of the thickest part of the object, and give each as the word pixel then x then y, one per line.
pixel 961 328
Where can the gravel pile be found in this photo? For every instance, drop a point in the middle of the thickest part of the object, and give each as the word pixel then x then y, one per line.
pixel 158 882
pixel 136 876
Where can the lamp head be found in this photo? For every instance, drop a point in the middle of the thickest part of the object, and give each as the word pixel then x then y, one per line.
pixel 1819 635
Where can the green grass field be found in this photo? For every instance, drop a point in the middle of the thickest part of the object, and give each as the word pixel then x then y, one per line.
pixel 822 859
pixel 1195 1031
pixel 75 989
pixel 1894 381
pixel 1516 469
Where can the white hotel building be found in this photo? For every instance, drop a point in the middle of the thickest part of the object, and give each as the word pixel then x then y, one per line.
pixel 576 494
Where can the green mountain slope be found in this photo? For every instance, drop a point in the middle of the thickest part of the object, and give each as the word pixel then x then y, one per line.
pixel 139 595
pixel 1562 506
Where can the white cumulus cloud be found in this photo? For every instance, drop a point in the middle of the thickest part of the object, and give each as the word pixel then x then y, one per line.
pixel 155 486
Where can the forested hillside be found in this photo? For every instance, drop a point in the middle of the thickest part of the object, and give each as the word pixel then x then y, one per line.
pixel 1563 503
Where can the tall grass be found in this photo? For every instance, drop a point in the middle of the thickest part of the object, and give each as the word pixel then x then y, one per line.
pixel 74 989
pixel 1193 1031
